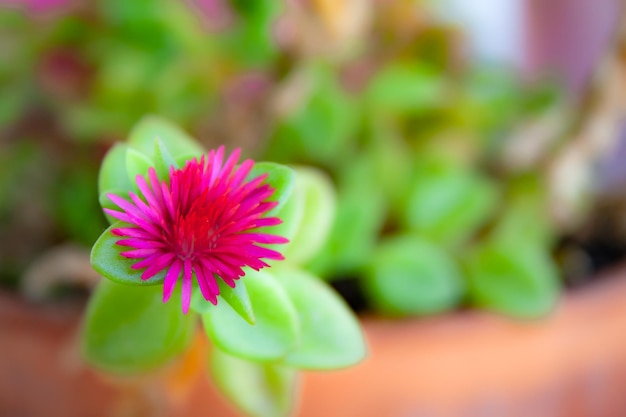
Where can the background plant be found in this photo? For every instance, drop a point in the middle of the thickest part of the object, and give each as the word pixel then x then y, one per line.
pixel 432 213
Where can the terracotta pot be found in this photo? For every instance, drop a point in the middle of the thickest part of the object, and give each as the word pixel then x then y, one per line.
pixel 464 364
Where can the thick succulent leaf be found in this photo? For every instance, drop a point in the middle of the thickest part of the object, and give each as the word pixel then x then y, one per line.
pixel 517 280
pixel 237 298
pixel 107 261
pixel 319 206
pixel 178 143
pixel 137 163
pixel 257 389
pixel 291 215
pixel 163 160
pixel 113 175
pixel 408 275
pixel 105 202
pixel 330 333
pixel 280 177
pixel 130 330
pixel 276 328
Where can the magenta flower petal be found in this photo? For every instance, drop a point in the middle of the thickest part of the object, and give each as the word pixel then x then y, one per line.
pixel 187 285
pixel 201 225
pixel 171 278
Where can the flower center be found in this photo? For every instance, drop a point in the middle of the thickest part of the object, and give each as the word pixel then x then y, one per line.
pixel 197 231
pixel 196 228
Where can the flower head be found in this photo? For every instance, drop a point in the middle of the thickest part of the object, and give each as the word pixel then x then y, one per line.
pixel 203 224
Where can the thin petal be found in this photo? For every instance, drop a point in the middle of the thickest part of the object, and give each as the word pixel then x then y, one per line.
pixel 207 284
pixel 242 172
pixel 187 286
pixel 171 277
pixel 127 206
pixel 149 195
pixel 157 265
pixel 262 238
pixel 132 232
pixel 215 162
pixel 230 281
pixel 140 243
pixel 139 253
pixel 150 214
pixel 119 215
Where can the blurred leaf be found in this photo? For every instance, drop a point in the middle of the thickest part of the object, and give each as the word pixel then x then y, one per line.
pixel 449 204
pixel 524 217
pixel 405 88
pixel 317 218
pixel 12 103
pixel 257 389
pixel 251 40
pixel 408 275
pixel 130 330
pixel 360 215
pixel 389 160
pixel 322 128
pixel 517 280
pixel 107 261
pixel 489 101
pixel 236 297
pixel 275 331
pixel 90 121
pixel 331 335
pixel 77 209
pixel 21 157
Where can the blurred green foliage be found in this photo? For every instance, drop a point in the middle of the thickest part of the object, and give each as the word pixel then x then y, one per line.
pixel 410 136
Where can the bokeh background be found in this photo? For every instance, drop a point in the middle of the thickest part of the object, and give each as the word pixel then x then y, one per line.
pixel 475 148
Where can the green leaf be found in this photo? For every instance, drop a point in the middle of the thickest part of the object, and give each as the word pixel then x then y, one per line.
pixel 130 330
pixel 322 129
pixel 319 206
pixel 275 331
pixel 356 226
pixel 137 163
pixel 113 175
pixel 291 215
pixel 448 204
pixel 406 88
pixel 517 280
pixel 236 297
pixel 280 177
pixel 105 202
pixel 411 276
pixel 524 214
pixel 250 42
pixel 163 160
pixel 107 261
pixel 179 144
pixel 257 389
pixel 330 333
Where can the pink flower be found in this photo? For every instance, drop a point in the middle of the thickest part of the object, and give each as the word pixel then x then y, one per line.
pixel 204 224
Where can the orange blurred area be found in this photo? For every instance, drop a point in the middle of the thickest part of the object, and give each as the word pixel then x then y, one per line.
pixel 572 364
